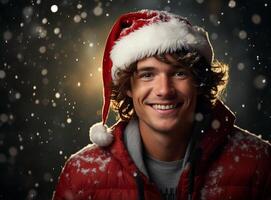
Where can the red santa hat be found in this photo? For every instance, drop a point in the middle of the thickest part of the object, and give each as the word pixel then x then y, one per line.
pixel 142 34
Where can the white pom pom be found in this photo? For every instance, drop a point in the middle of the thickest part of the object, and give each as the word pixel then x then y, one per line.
pixel 100 134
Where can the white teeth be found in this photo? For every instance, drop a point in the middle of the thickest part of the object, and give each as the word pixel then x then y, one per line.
pixel 163 107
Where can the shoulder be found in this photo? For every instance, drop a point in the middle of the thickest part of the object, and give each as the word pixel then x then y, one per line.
pixel 248 143
pixel 88 152
pixel 86 170
pixel 247 151
pixel 94 159
pixel 242 165
pixel 89 160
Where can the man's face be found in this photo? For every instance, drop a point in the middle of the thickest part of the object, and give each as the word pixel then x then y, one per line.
pixel 164 95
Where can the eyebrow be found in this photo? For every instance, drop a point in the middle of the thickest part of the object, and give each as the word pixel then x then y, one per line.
pixel 145 68
pixel 151 68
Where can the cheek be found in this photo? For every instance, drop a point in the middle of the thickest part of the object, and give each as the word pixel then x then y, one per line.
pixel 140 90
pixel 191 87
pixel 188 90
pixel 192 96
pixel 193 92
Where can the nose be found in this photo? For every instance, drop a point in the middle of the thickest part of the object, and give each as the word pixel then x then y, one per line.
pixel 164 87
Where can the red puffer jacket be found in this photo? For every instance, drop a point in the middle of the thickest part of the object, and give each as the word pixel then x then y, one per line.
pixel 229 163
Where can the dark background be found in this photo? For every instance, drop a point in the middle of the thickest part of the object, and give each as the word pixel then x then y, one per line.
pixel 50 82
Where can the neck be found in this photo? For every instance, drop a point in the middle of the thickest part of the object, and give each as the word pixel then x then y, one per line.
pixel 168 146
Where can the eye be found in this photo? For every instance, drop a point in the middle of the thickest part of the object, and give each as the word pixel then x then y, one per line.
pixel 181 74
pixel 145 75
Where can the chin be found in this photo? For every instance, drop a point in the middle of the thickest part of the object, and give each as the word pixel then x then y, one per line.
pixel 166 128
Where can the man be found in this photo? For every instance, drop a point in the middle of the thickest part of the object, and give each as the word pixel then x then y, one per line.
pixel 175 139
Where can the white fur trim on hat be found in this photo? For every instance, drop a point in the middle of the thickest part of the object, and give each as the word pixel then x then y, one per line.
pixel 100 134
pixel 157 38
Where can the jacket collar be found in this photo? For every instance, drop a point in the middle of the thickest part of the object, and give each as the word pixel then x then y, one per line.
pixel 133 143
pixel 221 124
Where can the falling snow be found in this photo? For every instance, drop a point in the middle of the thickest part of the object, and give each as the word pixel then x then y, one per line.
pixel 54 8
pixel 98 10
pixel 51 89
pixel 232 3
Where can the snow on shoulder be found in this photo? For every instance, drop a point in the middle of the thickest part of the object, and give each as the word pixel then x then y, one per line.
pixel 249 144
pixel 90 160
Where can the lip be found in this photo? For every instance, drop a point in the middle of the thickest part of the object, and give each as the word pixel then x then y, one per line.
pixel 167 112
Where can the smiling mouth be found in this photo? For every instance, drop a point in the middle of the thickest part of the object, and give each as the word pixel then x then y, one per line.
pixel 164 106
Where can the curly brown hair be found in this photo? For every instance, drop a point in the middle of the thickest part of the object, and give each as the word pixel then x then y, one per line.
pixel 211 81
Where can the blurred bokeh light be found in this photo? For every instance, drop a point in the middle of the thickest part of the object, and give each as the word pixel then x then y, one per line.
pixel 50 76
